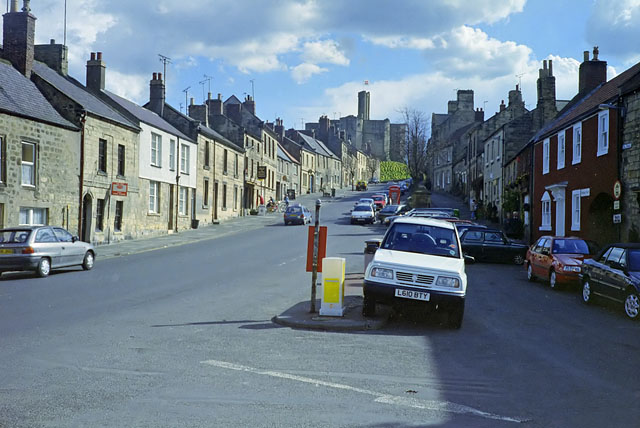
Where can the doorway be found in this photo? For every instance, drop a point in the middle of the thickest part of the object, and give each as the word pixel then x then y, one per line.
pixel 215 200
pixel 87 209
pixel 171 207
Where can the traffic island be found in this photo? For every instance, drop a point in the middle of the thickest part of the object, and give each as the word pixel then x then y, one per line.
pixel 299 316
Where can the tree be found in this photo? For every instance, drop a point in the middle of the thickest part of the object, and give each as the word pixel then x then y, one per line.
pixel 350 164
pixel 373 165
pixel 416 142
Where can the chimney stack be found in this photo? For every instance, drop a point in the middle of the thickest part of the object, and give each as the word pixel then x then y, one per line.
pixel 95 73
pixel 279 129
pixel 18 36
pixel 250 104
pixel 199 112
pixel 592 73
pixel 216 107
pixel 546 107
pixel 502 106
pixel 54 55
pixel 156 94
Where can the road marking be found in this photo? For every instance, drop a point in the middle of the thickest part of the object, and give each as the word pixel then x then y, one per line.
pixel 440 406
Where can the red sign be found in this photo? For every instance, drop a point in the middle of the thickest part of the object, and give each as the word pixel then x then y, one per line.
pixel 322 247
pixel 119 189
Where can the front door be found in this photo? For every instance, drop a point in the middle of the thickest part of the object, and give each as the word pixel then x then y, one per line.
pixel 171 207
pixel 87 210
pixel 215 200
pixel 560 219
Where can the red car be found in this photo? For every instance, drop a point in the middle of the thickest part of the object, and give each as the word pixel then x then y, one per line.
pixel 558 259
pixel 380 201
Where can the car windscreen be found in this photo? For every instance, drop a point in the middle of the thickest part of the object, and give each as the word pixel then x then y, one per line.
pixel 294 210
pixel 362 208
pixel 570 246
pixel 634 260
pixel 14 236
pixel 378 198
pixel 389 209
pixel 423 239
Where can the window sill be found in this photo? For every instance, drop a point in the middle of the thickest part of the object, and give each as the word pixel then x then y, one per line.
pixel 29 186
pixel 151 214
pixel 575 228
pixel 576 162
pixel 602 153
pixel 206 167
pixel 157 166
pixel 102 173
pixel 121 177
pixel 545 228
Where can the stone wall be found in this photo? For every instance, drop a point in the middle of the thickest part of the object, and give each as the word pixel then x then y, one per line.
pixel 630 174
pixel 57 172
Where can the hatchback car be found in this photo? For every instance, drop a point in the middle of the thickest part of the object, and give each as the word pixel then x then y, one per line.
pixel 558 259
pixel 614 274
pixel 419 262
pixel 361 185
pixel 363 213
pixel 380 201
pixel 391 210
pixel 297 214
pixel 491 245
pixel 41 249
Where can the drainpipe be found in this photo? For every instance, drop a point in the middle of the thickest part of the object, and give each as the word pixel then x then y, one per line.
pixel 83 118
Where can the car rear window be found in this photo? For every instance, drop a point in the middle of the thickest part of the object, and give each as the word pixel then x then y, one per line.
pixel 294 210
pixel 570 246
pixel 14 236
pixel 423 239
pixel 362 208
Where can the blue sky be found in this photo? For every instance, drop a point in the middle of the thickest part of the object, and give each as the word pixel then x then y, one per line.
pixel 311 57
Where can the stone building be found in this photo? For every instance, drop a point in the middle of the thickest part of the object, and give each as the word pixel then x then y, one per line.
pixel 629 102
pixel 288 173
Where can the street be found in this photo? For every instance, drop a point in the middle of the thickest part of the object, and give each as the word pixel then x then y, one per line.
pixel 182 337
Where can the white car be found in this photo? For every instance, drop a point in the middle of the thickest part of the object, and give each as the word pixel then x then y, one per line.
pixel 365 201
pixel 363 213
pixel 419 261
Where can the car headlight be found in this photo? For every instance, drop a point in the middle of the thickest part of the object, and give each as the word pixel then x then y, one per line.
pixel 445 281
pixel 382 273
pixel 571 269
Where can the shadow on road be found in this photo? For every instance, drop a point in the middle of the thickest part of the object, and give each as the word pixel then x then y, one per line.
pixel 223 322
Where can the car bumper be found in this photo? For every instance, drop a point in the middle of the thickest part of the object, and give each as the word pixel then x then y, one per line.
pixel 362 219
pixel 16 263
pixel 568 278
pixel 294 220
pixel 385 293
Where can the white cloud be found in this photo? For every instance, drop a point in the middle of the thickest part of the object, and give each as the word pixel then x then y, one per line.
pixel 615 29
pixel 303 72
pixel 395 42
pixel 325 51
pixel 129 86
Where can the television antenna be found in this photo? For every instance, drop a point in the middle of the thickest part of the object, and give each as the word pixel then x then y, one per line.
pixel 186 99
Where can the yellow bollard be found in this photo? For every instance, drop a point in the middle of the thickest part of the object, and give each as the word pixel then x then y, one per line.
pixel 332 303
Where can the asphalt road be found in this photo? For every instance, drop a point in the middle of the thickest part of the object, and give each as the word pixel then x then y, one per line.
pixel 182 337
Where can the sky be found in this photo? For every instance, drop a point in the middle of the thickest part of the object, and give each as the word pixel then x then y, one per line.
pixel 305 58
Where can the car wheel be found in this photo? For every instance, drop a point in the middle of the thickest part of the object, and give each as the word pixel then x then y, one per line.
pixel 530 275
pixel 553 280
pixel 632 305
pixel 456 314
pixel 518 259
pixel 87 263
pixel 368 306
pixel 44 267
pixel 587 292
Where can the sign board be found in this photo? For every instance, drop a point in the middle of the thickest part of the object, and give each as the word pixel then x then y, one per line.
pixel 617 189
pixel 119 189
pixel 262 172
pixel 322 247
pixel 585 192
pixel 616 205
pixel 626 146
pixel 617 218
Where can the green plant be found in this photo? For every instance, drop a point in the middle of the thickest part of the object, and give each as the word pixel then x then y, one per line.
pixel 393 171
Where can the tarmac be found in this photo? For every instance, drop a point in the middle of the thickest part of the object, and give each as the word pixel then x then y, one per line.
pixel 298 316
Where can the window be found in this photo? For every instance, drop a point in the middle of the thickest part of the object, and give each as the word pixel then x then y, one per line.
pixel 236 166
pixel 45 235
pixel 206 154
pixel 99 215
pixel 33 216
pixel 205 197
pixel 28 164
pixel 224 162
pixel 3 161
pixel 603 133
pixel 156 150
pixel 182 200
pixel 546 212
pixel 102 155
pixel 154 197
pixel 575 210
pixel 577 144
pixel 117 221
pixel 172 155
pixel 184 159
pixel 121 158
pixel 561 150
pixel 224 196
pixel 545 156
pixel 62 235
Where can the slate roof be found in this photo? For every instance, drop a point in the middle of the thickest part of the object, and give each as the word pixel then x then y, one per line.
pixel 586 104
pixel 74 90
pixel 20 96
pixel 282 153
pixel 146 116
pixel 317 145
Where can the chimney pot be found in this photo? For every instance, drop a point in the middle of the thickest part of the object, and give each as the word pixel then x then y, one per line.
pixel 14 5
pixel 25 7
pixel 544 64
pixel 586 56
pixel 93 56
pixel 219 96
pixel 52 41
pixel 208 95
pixel 159 76
pixel 193 101
pixel 99 56
pixel 155 75
pixel 550 67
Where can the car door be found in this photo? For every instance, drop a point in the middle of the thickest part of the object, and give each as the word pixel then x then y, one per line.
pixel 494 247
pixel 544 259
pixel 611 274
pixel 46 243
pixel 472 243
pixel 71 253
pixel 596 271
pixel 534 255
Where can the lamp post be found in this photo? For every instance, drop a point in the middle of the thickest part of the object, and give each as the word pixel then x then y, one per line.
pixel 314 271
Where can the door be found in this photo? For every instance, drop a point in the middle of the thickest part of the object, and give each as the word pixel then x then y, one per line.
pixel 613 275
pixel 172 204
pixel 560 219
pixel 494 247
pixel 70 252
pixel 193 204
pixel 472 243
pixel 544 259
pixel 87 210
pixel 47 244
pixel 215 200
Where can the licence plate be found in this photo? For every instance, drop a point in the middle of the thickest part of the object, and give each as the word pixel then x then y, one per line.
pixel 6 251
pixel 411 294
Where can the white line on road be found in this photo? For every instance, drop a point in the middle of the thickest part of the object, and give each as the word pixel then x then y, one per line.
pixel 440 406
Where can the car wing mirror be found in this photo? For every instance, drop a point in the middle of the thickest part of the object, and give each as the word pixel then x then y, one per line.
pixel 469 260
pixel 75 238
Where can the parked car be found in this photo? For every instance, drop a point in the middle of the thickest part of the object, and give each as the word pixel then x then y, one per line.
pixel 363 213
pixel 614 274
pixel 361 185
pixel 491 245
pixel 466 226
pixel 297 214
pixel 41 249
pixel 558 259
pixel 391 210
pixel 380 201
pixel 419 262
pixel 365 201
pixel 374 180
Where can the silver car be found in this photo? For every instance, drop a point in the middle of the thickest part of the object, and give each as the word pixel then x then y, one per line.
pixel 42 248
